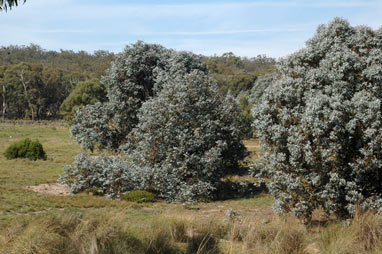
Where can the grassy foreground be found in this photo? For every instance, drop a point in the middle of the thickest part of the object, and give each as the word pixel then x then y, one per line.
pixel 40 223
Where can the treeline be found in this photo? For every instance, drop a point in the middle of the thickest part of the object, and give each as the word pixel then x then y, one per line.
pixel 39 84
pixel 34 82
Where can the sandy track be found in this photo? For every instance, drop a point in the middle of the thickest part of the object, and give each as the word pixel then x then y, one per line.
pixel 50 188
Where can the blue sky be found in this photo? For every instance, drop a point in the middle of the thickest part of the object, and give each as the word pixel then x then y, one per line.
pixel 246 28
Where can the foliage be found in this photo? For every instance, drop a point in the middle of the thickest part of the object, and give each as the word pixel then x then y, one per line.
pixel 178 134
pixel 320 124
pixel 94 191
pixel 25 148
pixel 55 74
pixel 254 95
pixel 237 74
pixel 8 4
pixel 188 137
pixel 86 92
pixel 246 107
pixel 35 82
pixel 67 61
pixel 130 81
pixel 110 175
pixel 138 196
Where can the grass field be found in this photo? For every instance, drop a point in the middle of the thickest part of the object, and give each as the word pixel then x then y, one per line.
pixel 32 222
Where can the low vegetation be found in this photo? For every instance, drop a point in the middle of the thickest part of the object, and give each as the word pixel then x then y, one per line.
pixel 138 196
pixel 100 231
pixel 26 148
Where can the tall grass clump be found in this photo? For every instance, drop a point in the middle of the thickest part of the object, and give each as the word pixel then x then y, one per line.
pixel 281 235
pixel 96 233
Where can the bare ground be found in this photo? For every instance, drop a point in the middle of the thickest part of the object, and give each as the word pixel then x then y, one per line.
pixel 50 188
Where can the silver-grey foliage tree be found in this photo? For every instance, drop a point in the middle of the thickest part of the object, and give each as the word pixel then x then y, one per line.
pixel 320 124
pixel 130 81
pixel 188 137
pixel 178 134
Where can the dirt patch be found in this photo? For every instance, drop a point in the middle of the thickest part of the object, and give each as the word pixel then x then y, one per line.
pixel 50 188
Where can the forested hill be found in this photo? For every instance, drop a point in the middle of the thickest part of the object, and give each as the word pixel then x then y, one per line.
pixel 68 61
pixel 41 84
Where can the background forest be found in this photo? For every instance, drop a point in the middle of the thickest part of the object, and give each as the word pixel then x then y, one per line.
pixel 38 84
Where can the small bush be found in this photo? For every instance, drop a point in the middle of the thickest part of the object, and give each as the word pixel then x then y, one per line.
pixel 26 148
pixel 139 196
pixel 94 191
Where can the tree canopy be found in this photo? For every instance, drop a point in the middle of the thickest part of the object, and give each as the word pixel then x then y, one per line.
pixel 320 124
pixel 179 135
pixel 35 82
pixel 84 93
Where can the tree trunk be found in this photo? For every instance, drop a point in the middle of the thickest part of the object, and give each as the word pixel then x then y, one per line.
pixel 4 102
pixel 26 93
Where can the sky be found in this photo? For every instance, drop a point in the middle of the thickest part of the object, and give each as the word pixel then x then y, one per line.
pixel 275 28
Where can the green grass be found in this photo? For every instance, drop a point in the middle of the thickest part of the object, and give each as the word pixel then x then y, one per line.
pixel 16 174
pixel 61 149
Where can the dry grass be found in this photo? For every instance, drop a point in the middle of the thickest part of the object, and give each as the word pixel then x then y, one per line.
pixel 104 231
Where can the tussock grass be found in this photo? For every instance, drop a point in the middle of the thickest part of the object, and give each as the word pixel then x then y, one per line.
pixel 104 231
pixel 82 233
pixel 279 235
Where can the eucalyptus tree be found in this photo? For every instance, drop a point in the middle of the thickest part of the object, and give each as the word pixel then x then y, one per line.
pixel 187 139
pixel 320 124
pixel 130 81
pixel 84 93
pixel 178 135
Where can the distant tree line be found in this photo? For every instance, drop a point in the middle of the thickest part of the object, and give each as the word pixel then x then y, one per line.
pixel 34 82
pixel 40 84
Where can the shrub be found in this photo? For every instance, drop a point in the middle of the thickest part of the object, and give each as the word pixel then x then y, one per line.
pixel 26 148
pixel 179 136
pixel 131 80
pixel 94 191
pixel 110 175
pixel 188 138
pixel 320 124
pixel 139 196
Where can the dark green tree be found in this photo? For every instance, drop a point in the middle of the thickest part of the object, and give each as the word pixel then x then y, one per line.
pixel 84 93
